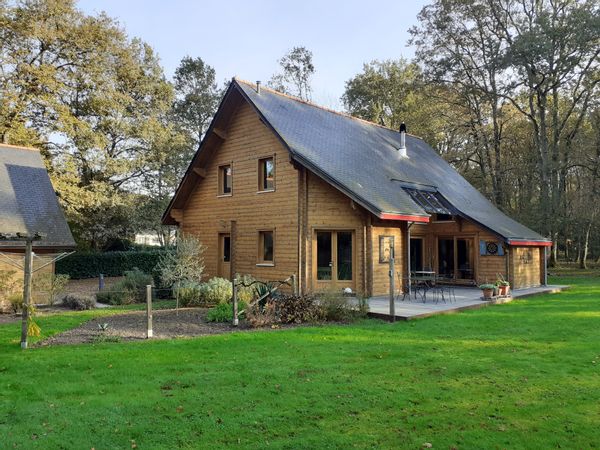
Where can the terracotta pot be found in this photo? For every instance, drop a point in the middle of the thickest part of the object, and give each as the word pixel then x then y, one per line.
pixel 487 293
pixel 503 289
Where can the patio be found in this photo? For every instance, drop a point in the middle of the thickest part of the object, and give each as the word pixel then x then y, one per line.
pixel 466 298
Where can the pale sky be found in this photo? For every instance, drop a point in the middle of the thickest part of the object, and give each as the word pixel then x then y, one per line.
pixel 245 39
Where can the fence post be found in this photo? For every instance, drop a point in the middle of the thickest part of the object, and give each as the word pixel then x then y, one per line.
pixel 149 309
pixel 235 301
pixel 392 289
pixel 294 284
pixel 101 282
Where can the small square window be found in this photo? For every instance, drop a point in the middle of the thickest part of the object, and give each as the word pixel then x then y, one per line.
pixel 266 247
pixel 225 179
pixel 266 174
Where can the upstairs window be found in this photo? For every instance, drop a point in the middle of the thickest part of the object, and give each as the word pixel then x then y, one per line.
pixel 266 174
pixel 266 247
pixel 225 179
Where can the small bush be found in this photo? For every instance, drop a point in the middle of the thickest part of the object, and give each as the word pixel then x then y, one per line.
pixel 131 289
pixel 297 309
pixel 260 316
pixel 16 302
pixel 336 307
pixel 215 291
pixel 246 291
pixel 189 293
pixel 79 302
pixel 223 312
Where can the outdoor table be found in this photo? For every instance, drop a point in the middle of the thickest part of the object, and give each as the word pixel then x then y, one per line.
pixel 423 280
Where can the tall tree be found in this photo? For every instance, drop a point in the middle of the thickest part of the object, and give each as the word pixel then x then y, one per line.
pixel 197 96
pixel 92 99
pixel 297 69
pixel 539 55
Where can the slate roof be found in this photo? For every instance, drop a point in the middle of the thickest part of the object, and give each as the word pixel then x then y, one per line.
pixel 28 203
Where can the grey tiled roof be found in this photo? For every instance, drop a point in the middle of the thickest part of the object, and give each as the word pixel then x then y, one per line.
pixel 28 203
pixel 361 159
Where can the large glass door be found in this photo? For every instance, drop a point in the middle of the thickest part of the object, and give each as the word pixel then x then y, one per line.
pixel 455 258
pixel 334 259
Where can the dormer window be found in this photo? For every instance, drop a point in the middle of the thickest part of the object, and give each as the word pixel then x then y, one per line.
pixel 225 179
pixel 266 174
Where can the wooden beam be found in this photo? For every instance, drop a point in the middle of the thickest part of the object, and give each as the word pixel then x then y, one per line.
pixel 200 171
pixel 220 133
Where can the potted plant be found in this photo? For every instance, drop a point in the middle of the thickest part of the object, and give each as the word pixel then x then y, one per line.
pixel 503 285
pixel 488 290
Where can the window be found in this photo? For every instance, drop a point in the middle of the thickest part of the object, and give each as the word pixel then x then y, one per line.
pixel 266 174
pixel 227 248
pixel 225 179
pixel 266 246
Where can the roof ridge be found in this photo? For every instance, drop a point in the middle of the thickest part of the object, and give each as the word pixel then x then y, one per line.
pixel 20 147
pixel 309 103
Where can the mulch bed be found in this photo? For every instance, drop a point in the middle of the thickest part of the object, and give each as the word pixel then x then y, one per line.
pixel 131 326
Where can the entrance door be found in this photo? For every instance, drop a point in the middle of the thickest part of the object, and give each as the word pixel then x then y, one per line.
pixel 224 263
pixel 416 254
pixel 333 260
pixel 446 258
pixel 455 258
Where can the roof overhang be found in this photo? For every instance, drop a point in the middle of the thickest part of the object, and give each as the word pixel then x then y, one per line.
pixel 523 243
pixel 403 217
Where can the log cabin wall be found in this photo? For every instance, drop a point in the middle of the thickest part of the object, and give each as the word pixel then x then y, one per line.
pixel 17 278
pixel 526 266
pixel 206 214
pixel 381 279
pixel 486 267
pixel 330 210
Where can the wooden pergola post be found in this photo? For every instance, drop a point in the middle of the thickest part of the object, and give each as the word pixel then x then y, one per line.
pixel 28 269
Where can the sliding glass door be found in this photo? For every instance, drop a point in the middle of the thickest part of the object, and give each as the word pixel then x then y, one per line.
pixel 455 258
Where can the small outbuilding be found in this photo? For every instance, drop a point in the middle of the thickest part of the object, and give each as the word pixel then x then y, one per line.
pixel 29 206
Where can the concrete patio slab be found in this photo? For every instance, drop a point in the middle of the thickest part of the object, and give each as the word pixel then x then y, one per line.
pixel 466 298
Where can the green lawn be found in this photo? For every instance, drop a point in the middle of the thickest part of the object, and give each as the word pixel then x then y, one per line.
pixel 521 375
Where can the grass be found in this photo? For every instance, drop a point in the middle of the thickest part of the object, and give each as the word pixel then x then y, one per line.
pixel 521 375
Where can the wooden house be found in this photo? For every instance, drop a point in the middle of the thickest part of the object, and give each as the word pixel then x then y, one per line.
pixel 28 205
pixel 281 186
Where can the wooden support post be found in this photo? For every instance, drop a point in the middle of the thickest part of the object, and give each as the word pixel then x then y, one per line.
pixel 234 284
pixel 392 289
pixel 545 266
pixel 294 284
pixel 149 333
pixel 101 282
pixel 26 291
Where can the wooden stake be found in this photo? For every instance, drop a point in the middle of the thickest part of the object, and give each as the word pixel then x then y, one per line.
pixel 149 332
pixel 392 288
pixel 294 285
pixel 26 291
pixel 235 301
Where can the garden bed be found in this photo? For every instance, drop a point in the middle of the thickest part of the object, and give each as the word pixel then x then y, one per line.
pixel 131 326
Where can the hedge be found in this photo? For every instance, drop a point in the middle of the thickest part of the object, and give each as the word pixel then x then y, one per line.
pixel 111 264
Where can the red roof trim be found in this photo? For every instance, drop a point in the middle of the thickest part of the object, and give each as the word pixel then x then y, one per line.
pixel 389 216
pixel 530 243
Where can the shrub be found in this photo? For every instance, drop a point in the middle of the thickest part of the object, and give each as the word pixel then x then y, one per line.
pixel 131 289
pixel 111 264
pixel 246 291
pixel 215 291
pixel 223 312
pixel 297 309
pixel 51 284
pixel 336 307
pixel 16 302
pixel 260 316
pixel 79 302
pixel 183 263
pixel 189 293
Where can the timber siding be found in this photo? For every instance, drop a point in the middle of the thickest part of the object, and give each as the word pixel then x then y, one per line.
pixel 381 279
pixel 330 210
pixel 206 214
pixel 526 266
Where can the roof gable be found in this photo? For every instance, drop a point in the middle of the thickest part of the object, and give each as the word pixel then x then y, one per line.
pixel 28 203
pixel 361 159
